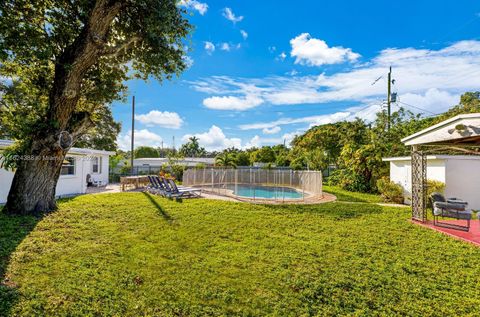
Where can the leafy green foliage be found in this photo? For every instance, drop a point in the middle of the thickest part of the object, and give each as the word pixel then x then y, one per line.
pixel 434 186
pixel 226 159
pixel 146 152
pixel 356 149
pixel 390 191
pixel 265 154
pixel 134 254
pixel 242 159
pixel 192 148
pixel 50 49
pixel 104 134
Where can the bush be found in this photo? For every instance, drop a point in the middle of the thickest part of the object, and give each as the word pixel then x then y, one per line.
pixel 390 191
pixel 348 180
pixel 435 187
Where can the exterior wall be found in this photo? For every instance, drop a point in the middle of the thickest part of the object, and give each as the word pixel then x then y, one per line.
pixel 401 173
pixel 103 174
pixel 67 184
pixel 71 184
pixel 158 162
pixel 5 182
pixel 463 181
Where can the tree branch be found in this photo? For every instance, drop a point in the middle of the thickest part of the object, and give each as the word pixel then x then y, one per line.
pixel 121 49
pixel 80 124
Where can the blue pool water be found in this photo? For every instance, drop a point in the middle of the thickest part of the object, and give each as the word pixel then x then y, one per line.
pixel 251 191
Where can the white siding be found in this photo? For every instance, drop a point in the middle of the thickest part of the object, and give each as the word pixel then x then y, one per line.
pixel 102 175
pixel 461 175
pixel 67 184
pixel 463 181
pixel 5 182
pixel 401 173
pixel 71 184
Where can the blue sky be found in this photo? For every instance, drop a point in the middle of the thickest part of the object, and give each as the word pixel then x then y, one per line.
pixel 263 71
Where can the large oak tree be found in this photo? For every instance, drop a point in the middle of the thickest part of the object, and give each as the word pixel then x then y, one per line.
pixel 61 61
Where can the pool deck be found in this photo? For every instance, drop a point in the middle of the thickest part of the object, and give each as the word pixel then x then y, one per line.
pixel 116 188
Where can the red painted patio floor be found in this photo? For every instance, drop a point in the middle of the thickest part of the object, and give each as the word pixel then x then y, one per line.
pixel 472 236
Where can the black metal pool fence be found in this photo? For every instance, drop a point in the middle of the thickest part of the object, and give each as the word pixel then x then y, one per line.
pixel 226 181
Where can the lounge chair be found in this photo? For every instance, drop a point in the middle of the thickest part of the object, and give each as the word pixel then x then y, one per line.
pixel 154 187
pixel 181 190
pixel 450 208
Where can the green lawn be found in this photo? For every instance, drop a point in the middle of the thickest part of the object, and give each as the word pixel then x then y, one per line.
pixel 133 254
pixel 345 195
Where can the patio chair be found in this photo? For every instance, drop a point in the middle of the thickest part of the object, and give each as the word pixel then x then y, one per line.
pixel 182 191
pixel 153 187
pixel 450 208
pixel 165 189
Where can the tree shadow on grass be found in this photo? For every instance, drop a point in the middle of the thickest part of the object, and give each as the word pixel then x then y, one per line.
pixel 161 211
pixel 13 229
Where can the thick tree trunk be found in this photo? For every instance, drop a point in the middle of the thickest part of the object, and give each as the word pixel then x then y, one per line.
pixel 33 186
pixel 34 183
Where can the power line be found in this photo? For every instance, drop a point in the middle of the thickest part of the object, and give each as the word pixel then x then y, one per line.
pixel 418 108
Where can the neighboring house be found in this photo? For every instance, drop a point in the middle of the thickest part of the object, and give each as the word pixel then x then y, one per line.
pixel 73 179
pixel 460 173
pixel 187 162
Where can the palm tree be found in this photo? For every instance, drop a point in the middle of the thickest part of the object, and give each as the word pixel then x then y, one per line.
pixel 225 159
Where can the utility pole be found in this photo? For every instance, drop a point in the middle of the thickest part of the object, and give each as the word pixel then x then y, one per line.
pixel 173 144
pixel 389 92
pixel 133 135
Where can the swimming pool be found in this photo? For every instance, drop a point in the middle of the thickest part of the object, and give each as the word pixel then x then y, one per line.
pixel 267 192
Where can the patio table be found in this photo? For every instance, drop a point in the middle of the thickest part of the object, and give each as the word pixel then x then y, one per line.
pixel 136 181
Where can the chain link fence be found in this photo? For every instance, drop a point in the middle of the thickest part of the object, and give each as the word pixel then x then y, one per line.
pixel 257 184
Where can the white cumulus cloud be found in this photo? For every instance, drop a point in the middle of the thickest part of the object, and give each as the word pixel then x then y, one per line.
pixel 164 119
pixel 272 130
pixel 431 78
pixel 232 102
pixel 229 15
pixel 209 47
pixel 194 5
pixel 225 47
pixel 244 34
pixel 314 52
pixel 214 139
pixel 143 137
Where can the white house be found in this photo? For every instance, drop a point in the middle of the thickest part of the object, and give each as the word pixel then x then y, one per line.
pixel 187 161
pixel 460 173
pixel 73 179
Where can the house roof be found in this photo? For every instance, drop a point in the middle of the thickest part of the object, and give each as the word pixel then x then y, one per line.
pixel 447 132
pixel 186 160
pixel 73 150
pixel 433 157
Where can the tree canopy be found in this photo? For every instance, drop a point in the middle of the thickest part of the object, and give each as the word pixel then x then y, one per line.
pixel 192 148
pixel 65 61
pixel 146 152
pixel 62 63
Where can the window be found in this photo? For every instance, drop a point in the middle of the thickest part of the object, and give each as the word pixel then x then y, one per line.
pixel 97 165
pixel 68 166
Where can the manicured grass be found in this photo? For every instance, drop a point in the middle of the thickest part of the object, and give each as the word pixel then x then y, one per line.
pixel 345 195
pixel 133 254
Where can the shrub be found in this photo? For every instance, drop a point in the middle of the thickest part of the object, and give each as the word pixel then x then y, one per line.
pixel 390 191
pixel 348 180
pixel 434 186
